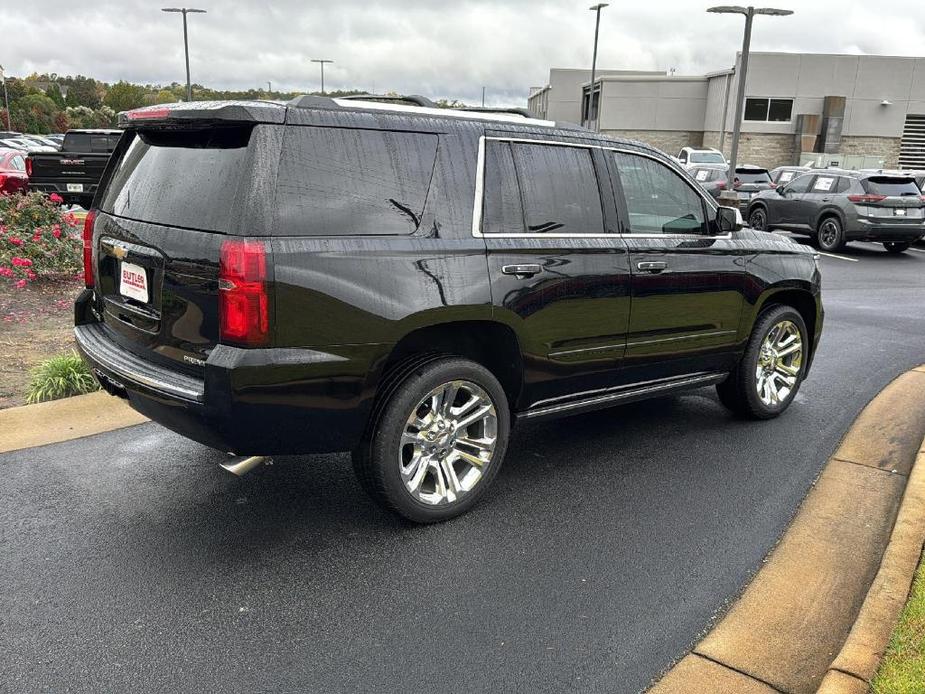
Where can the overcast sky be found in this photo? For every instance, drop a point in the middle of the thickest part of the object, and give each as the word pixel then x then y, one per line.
pixel 437 48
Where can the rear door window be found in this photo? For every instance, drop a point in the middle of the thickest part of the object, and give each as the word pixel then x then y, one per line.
pixel 824 184
pixel 785 177
pixel 351 182
pixel 884 185
pixel 658 200
pixel 502 208
pixel 559 189
pixel 185 179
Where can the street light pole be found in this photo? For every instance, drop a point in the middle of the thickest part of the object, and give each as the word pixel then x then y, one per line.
pixel 6 99
pixel 184 11
pixel 749 13
pixel 322 61
pixel 597 27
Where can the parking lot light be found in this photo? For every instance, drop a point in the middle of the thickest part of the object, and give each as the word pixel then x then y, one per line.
pixel 749 13
pixel 597 27
pixel 185 11
pixel 322 61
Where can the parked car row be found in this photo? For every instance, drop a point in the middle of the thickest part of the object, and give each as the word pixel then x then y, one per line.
pixel 747 181
pixel 73 173
pixel 27 143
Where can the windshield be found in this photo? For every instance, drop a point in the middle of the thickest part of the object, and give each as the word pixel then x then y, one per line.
pixel 883 185
pixel 707 158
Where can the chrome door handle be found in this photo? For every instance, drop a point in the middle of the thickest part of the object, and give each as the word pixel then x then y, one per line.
pixel 652 266
pixel 521 270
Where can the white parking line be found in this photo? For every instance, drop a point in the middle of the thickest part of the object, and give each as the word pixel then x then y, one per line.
pixel 918 250
pixel 840 257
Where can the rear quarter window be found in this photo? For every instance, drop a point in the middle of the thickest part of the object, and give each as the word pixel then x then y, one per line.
pixel 352 182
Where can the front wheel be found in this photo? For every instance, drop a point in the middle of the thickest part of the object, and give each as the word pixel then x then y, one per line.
pixel 830 236
pixel 771 370
pixel 758 219
pixel 896 247
pixel 437 442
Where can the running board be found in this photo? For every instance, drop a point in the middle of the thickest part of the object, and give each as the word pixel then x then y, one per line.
pixel 622 395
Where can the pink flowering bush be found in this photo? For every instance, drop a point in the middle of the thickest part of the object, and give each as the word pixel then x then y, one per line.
pixel 37 239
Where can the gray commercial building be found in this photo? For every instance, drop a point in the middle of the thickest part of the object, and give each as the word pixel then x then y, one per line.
pixel 850 110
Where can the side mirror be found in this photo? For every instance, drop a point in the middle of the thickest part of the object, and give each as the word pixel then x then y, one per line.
pixel 729 219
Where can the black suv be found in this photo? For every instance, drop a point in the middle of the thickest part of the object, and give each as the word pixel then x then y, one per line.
pixel 407 282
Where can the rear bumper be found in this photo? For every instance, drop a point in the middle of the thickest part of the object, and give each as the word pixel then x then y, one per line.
pixel 868 230
pixel 89 190
pixel 249 402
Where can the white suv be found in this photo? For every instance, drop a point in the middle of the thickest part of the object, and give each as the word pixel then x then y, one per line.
pixel 693 156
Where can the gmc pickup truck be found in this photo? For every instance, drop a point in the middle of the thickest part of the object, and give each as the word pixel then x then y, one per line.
pixel 75 171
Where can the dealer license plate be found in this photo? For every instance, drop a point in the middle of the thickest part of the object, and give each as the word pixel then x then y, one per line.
pixel 133 282
pixel 75 187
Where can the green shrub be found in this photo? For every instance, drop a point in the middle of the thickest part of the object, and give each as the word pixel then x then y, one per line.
pixel 37 239
pixel 60 377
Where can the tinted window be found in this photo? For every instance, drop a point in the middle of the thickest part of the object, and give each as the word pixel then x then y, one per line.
pixel 341 182
pixel 883 185
pixel 184 179
pixel 707 158
pixel 800 184
pixel 658 200
pixel 559 189
pixel 751 176
pixel 774 110
pixel 502 210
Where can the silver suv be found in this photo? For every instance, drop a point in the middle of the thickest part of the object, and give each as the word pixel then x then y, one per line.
pixel 838 206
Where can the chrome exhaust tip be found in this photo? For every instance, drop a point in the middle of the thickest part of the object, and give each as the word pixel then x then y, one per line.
pixel 241 465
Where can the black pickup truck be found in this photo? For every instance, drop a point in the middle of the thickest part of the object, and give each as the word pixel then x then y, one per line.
pixel 75 171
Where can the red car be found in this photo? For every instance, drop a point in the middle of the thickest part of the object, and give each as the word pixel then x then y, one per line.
pixel 13 177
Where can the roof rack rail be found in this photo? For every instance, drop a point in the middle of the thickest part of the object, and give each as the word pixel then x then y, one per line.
pixel 312 101
pixel 415 99
pixel 488 109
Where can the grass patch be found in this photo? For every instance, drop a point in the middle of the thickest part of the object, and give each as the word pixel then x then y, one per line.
pixel 903 668
pixel 60 377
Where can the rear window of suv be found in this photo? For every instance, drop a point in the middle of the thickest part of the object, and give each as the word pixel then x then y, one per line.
pixel 885 185
pixel 346 182
pixel 750 176
pixel 185 179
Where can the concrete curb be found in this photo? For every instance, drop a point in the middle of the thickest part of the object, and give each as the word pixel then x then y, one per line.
pixel 63 420
pixel 821 609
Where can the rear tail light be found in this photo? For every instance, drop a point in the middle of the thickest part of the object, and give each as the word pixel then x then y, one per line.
pixel 88 248
pixel 243 302
pixel 736 183
pixel 866 198
pixel 2 181
pixel 721 185
pixel 773 184
pixel 29 167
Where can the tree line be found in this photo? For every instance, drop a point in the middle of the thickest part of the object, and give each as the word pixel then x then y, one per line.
pixel 38 104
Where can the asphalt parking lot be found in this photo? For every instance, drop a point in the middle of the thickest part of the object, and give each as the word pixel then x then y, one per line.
pixel 609 543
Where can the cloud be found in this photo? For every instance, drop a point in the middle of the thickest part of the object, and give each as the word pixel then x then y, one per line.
pixel 421 46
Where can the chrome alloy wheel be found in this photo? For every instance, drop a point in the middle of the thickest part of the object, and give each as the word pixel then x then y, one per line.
pixel 779 363
pixel 447 443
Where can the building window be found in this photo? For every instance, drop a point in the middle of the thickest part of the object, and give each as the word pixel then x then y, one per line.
pixel 590 105
pixel 768 110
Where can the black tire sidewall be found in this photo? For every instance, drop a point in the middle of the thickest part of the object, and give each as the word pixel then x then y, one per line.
pixel 764 215
pixel 384 442
pixel 839 242
pixel 750 360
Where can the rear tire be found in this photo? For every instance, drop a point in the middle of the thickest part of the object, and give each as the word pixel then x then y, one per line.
pixel 896 247
pixel 436 442
pixel 830 236
pixel 764 384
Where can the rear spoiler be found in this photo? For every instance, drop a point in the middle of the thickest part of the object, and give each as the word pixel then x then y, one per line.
pixel 210 111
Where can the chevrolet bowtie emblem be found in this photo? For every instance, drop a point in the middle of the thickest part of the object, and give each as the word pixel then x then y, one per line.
pixel 119 251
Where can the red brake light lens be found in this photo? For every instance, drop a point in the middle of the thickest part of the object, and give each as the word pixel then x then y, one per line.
pixel 148 113
pixel 721 185
pixel 244 308
pixel 29 166
pixel 88 248
pixel 866 198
